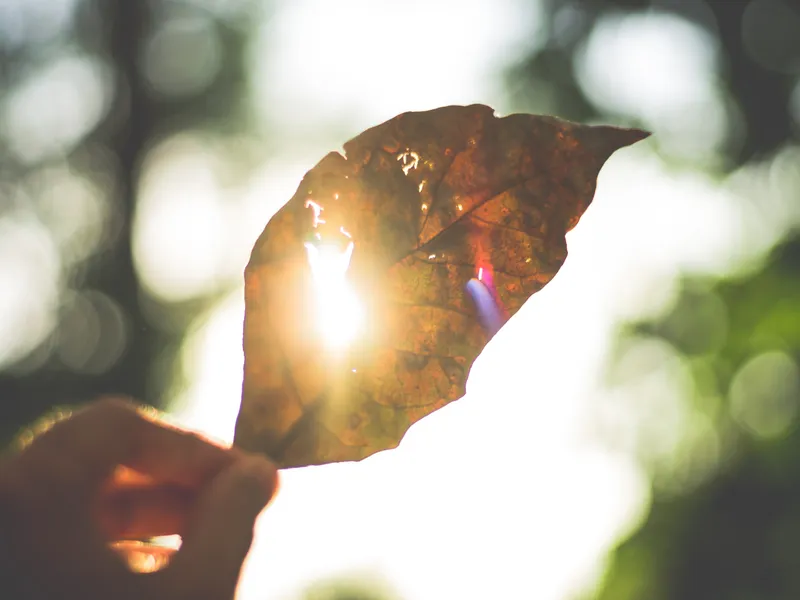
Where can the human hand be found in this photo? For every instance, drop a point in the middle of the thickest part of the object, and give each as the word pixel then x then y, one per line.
pixel 60 507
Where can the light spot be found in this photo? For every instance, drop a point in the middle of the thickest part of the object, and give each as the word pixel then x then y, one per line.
pixel 421 185
pixel 317 211
pixel 622 69
pixel 338 310
pixel 183 56
pixel 764 394
pixel 53 107
pixel 179 178
pixel 410 160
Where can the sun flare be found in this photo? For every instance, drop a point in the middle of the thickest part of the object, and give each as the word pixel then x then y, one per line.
pixel 339 313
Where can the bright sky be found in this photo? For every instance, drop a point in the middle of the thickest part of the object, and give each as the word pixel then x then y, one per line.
pixel 504 487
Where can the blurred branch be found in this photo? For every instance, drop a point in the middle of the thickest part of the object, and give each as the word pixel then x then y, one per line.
pixel 125 132
pixel 128 25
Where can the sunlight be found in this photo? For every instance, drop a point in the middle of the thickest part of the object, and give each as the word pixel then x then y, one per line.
pixel 305 75
pixel 212 361
pixel 502 493
pixel 514 464
pixel 661 68
pixel 171 160
pixel 338 311
pixel 179 185
pixel 55 106
pixel 30 269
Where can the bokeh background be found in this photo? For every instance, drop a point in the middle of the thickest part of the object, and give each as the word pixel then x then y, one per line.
pixel 631 434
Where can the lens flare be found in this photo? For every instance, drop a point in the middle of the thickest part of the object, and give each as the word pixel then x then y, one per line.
pixel 339 313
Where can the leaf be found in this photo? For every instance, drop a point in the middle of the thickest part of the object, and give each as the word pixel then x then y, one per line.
pixel 419 205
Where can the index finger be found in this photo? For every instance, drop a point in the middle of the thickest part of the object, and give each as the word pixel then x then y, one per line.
pixel 114 432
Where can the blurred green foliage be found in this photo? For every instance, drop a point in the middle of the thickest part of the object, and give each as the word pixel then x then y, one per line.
pixel 349 588
pixel 736 535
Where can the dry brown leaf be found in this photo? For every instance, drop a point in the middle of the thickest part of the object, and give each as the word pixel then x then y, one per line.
pixel 420 206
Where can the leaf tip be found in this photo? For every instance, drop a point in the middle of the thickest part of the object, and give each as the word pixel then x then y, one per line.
pixel 604 140
pixel 637 135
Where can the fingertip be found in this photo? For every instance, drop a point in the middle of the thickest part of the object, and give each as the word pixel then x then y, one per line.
pixel 257 476
pixel 222 528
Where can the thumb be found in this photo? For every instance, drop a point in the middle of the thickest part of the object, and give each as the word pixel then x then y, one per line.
pixel 221 530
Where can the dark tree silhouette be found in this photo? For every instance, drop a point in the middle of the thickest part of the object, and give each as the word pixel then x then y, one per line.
pixel 137 118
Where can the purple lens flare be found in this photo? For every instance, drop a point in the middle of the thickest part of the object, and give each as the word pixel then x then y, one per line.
pixel 491 315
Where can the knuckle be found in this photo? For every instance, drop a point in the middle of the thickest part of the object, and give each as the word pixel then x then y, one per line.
pixel 116 413
pixel 115 407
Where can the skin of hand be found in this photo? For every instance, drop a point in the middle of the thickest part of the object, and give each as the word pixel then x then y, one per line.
pixel 62 501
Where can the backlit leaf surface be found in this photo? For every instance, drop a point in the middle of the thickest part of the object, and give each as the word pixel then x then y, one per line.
pixel 357 317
